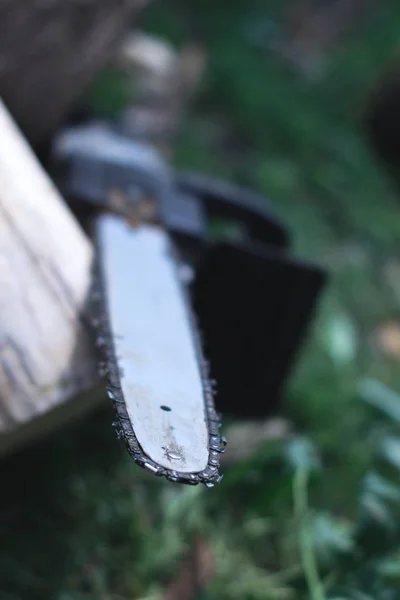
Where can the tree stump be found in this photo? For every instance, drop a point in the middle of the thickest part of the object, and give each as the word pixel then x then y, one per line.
pixel 50 50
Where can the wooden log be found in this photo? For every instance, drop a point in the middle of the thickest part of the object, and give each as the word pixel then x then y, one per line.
pixel 46 351
pixel 50 51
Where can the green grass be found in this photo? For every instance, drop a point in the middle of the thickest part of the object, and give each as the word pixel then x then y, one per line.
pixel 316 517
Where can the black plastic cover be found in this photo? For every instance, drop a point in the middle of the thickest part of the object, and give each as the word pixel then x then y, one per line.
pixel 254 308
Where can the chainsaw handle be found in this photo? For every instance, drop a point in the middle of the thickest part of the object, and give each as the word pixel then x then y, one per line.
pixel 225 200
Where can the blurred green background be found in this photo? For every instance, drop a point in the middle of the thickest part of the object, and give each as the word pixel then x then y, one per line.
pixel 310 515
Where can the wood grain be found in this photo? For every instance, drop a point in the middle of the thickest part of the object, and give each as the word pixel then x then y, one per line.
pixel 46 355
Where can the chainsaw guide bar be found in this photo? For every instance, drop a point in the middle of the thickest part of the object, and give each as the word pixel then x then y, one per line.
pixel 176 439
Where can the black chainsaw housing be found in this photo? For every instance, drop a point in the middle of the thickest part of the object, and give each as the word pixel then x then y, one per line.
pixel 254 301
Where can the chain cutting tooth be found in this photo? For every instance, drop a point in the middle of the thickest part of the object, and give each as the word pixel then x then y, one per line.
pixel 214 459
pixel 209 473
pixel 121 411
pixel 152 467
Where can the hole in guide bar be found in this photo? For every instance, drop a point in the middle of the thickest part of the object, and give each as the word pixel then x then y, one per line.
pixel 166 408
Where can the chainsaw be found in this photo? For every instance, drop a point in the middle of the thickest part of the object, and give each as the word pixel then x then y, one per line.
pixel 198 306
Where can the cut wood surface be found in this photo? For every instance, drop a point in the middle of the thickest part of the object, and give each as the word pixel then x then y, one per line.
pixel 46 354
